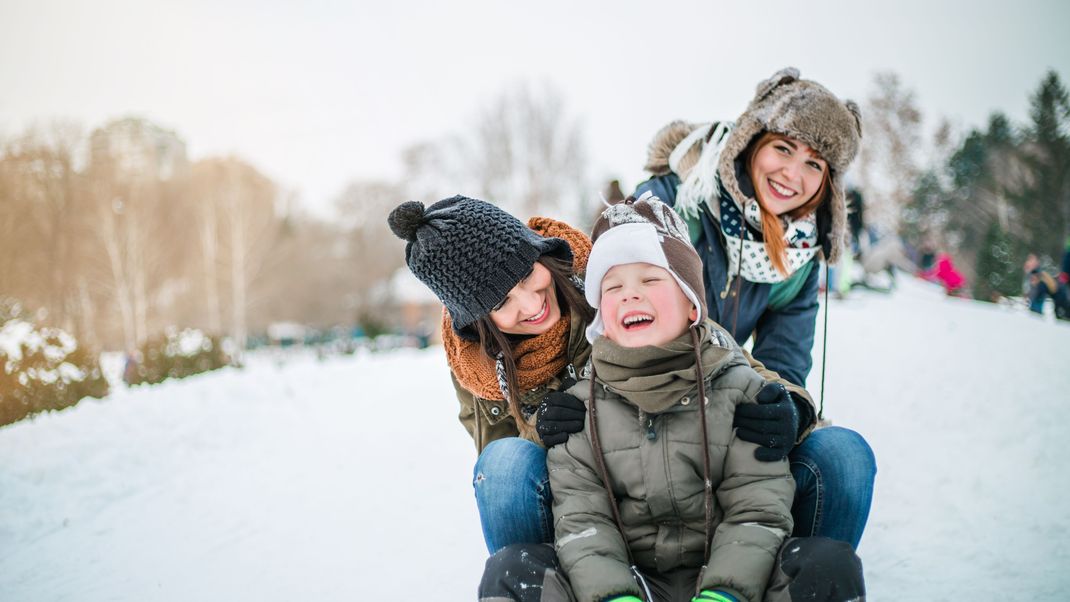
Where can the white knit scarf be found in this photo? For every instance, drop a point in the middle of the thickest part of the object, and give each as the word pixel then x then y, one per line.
pixel 747 255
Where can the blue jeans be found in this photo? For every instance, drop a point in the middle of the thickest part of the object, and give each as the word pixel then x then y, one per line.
pixel 833 469
pixel 513 493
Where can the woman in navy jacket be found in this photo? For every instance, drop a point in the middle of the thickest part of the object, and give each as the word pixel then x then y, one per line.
pixel 763 198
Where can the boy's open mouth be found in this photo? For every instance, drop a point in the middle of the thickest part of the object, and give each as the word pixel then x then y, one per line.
pixel 636 321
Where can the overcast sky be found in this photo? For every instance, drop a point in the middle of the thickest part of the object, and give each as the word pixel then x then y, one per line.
pixel 318 93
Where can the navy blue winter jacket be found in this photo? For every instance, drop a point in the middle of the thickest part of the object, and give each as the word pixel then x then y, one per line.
pixel 783 337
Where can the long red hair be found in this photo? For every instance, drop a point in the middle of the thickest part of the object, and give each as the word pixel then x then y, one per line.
pixel 772 227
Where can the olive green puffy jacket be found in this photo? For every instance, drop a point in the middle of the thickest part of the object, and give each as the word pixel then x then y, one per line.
pixel 487 420
pixel 656 472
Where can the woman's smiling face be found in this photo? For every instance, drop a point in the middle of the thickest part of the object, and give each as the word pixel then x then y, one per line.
pixel 786 173
pixel 531 306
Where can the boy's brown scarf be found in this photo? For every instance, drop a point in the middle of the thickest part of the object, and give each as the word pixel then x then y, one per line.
pixel 654 378
pixel 537 359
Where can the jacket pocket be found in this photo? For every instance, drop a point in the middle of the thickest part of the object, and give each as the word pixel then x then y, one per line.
pixel 493 410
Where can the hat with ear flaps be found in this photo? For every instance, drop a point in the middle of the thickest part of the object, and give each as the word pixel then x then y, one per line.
pixel 805 110
pixel 470 254
pixel 643 230
pixel 783 104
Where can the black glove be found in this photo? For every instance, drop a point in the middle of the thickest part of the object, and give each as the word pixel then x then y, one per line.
pixel 772 423
pixel 560 415
pixel 822 569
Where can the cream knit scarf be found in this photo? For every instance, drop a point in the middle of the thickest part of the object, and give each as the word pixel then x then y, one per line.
pixel 747 256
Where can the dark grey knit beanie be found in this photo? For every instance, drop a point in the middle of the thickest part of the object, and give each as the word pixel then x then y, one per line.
pixel 469 253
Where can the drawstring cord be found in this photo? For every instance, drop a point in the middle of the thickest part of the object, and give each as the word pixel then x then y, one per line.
pixel 739 286
pixel 641 580
pixel 739 269
pixel 707 472
pixel 596 449
pixel 824 345
pixel 825 328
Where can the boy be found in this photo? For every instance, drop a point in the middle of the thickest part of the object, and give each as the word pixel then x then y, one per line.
pixel 640 512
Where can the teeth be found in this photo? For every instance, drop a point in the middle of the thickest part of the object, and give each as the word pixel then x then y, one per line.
pixel 780 189
pixel 537 316
pixel 637 318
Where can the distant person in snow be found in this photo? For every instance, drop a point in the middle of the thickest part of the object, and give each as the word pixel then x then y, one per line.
pixel 764 202
pixel 1064 270
pixel 1041 286
pixel 946 274
pixel 711 518
pixel 131 368
pixel 612 192
pixel 876 254
pixel 513 332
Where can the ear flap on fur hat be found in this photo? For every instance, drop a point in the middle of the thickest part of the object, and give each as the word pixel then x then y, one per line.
pixel 784 76
pixel 852 106
pixel 664 142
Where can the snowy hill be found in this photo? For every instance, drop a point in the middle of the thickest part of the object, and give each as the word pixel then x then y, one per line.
pixel 349 478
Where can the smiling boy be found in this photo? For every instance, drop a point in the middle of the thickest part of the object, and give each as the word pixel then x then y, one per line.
pixel 640 512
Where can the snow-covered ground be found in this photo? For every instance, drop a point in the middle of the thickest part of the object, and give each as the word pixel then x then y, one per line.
pixel 349 478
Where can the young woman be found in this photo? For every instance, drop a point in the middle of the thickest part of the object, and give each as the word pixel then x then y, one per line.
pixel 513 331
pixel 762 197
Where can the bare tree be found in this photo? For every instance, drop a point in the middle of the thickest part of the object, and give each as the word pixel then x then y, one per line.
pixel 249 225
pixel 306 275
pixel 48 248
pixel 436 170
pixel 887 166
pixel 373 253
pixel 205 181
pixel 19 253
pixel 136 171
pixel 527 156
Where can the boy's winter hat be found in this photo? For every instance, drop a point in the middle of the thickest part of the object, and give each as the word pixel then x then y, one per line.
pixel 469 253
pixel 643 230
pixel 805 110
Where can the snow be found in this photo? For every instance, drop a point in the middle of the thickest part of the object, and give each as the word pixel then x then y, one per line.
pixel 15 335
pixel 54 344
pixel 349 478
pixel 188 342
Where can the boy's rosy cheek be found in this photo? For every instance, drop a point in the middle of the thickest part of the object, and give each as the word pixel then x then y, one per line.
pixel 607 304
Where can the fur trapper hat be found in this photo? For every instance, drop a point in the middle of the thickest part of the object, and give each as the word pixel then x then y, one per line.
pixel 783 104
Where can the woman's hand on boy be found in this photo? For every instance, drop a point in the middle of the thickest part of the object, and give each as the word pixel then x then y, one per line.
pixel 560 415
pixel 772 423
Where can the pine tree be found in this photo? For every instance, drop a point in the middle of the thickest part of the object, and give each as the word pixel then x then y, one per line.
pixel 926 215
pixel 1045 201
pixel 998 274
pixel 981 173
